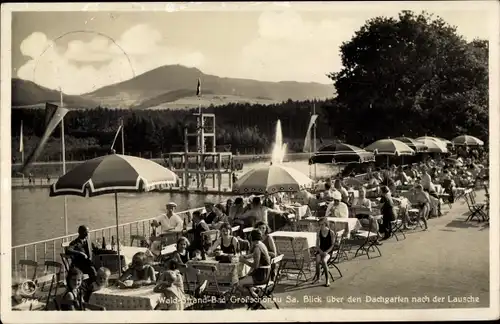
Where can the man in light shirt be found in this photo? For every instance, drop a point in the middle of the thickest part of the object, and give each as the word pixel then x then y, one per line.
pixel 337 208
pixel 169 222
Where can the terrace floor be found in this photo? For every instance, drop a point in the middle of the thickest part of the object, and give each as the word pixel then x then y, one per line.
pixel 447 262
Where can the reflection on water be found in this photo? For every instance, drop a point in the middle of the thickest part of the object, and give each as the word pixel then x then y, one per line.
pixel 36 216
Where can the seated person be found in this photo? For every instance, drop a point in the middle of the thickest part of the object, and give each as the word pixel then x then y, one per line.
pixel 266 238
pixel 304 197
pixel 172 289
pixel 139 272
pixel 236 210
pixel 221 216
pixel 168 222
pixel 199 227
pixel 388 213
pixel 181 255
pixel 260 264
pixel 101 282
pixel 365 217
pixel 423 202
pixel 72 298
pixel 337 208
pixel 448 185
pixel 343 191
pixel 211 214
pixel 227 243
pixel 429 187
pixel 259 213
pixel 324 247
pixel 81 251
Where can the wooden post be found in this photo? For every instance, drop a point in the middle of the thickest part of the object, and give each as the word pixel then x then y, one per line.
pixel 219 174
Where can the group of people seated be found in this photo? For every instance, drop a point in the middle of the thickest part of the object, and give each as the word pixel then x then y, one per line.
pixel 255 250
pixel 334 198
pixel 331 198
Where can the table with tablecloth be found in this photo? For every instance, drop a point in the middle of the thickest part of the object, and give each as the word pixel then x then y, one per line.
pixel 346 224
pixel 300 212
pixel 310 236
pixel 114 298
pixel 227 274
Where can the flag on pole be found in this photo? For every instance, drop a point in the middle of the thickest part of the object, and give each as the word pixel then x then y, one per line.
pixel 198 88
pixel 21 141
pixel 56 118
pixel 308 140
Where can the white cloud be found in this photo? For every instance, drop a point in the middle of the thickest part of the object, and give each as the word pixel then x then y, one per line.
pixel 290 48
pixel 85 66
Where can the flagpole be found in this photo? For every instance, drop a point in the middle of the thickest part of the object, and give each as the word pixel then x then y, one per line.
pixel 123 137
pixel 21 138
pixel 314 136
pixel 63 149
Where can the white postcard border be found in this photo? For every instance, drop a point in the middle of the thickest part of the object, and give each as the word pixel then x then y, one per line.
pixel 9 316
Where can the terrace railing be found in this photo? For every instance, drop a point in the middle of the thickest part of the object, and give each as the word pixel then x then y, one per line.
pixel 50 250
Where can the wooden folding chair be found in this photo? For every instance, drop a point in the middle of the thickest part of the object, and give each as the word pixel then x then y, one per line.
pixel 369 241
pixel 210 273
pixel 335 254
pixel 58 267
pixel 297 257
pixel 265 291
pixel 66 261
pixel 398 224
pixel 50 295
pixel 26 264
pixel 476 209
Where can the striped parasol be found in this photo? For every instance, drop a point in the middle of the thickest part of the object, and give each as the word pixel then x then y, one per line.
pixel 112 173
pixel 434 145
pixel 390 147
pixel 271 179
pixel 467 140
pixel 414 144
pixel 341 153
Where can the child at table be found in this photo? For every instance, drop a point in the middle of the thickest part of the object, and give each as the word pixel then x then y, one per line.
pixel 72 299
pixel 101 282
pixel 324 246
pixel 181 255
pixel 140 272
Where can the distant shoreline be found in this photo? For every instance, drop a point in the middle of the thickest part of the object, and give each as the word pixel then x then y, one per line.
pixel 53 168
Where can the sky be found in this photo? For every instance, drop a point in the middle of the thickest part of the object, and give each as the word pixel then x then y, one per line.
pixel 82 51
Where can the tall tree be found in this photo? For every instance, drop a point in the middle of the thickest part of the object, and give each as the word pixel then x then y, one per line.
pixel 413 75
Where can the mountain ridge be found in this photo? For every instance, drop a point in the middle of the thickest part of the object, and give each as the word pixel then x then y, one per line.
pixel 174 86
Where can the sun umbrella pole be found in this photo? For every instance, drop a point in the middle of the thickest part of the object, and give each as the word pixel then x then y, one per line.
pixel 118 236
